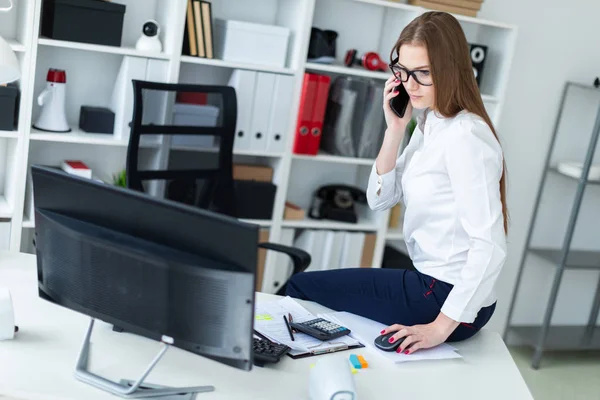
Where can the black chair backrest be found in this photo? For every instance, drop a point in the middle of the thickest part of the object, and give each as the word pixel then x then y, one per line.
pixel 217 192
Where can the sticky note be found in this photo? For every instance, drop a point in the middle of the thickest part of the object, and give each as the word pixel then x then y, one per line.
pixel 263 317
pixel 363 362
pixel 353 370
pixel 355 362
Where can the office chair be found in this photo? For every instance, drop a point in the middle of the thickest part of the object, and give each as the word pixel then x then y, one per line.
pixel 217 191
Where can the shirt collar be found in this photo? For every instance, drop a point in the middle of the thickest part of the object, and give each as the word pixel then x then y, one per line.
pixel 427 120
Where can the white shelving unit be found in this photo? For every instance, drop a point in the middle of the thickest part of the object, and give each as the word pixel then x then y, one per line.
pixel 365 25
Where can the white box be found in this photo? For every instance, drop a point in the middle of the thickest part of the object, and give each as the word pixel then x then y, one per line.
pixel 249 42
pixel 194 115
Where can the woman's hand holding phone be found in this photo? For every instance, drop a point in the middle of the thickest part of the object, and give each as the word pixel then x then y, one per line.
pixel 395 123
pixel 396 126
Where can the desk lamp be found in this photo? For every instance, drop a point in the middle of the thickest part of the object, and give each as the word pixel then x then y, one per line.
pixel 9 65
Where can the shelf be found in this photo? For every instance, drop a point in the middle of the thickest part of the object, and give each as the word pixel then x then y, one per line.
pixel 259 222
pixel 358 71
pixel 236 65
pixel 394 234
pixel 390 4
pixel 5 210
pixel 253 153
pixel 80 137
pixel 489 99
pixel 343 70
pixel 9 134
pixel 77 136
pixel 324 157
pixel 329 225
pixel 15 46
pixel 556 171
pixel 577 259
pixel 27 222
pixel 560 337
pixel 126 51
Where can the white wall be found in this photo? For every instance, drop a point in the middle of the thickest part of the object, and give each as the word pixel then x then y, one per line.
pixel 556 43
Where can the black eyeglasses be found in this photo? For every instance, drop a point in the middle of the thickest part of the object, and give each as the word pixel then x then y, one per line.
pixel 421 76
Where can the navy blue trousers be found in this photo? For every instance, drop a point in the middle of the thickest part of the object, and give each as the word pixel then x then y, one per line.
pixel 389 296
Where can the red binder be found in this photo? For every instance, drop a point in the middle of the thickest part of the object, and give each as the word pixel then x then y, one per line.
pixel 305 113
pixel 316 127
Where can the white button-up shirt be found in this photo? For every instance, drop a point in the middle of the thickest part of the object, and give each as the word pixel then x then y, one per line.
pixel 448 177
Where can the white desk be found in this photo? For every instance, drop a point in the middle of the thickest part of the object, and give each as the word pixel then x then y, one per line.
pixel 39 363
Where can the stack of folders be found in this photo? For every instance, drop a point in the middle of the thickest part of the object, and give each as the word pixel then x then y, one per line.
pixel 198 35
pixel 311 115
pixel 337 249
pixel 264 101
pixel 269 321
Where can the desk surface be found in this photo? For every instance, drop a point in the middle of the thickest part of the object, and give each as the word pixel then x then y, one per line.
pixel 39 363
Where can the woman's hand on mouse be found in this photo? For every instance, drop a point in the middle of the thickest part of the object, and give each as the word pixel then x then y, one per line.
pixel 422 336
pixel 392 121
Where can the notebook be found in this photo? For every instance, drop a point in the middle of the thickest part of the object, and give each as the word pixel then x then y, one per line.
pixel 268 320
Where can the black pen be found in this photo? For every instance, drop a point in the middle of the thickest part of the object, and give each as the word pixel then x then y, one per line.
pixel 289 328
pixel 291 322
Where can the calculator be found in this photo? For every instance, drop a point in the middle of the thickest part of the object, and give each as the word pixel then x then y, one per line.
pixel 321 329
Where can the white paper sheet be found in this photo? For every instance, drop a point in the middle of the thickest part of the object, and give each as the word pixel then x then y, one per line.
pixel 268 320
pixel 366 331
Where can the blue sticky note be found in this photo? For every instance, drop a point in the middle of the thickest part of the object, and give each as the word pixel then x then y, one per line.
pixel 355 362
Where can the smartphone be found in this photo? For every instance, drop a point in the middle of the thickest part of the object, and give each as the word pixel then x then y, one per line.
pixel 398 103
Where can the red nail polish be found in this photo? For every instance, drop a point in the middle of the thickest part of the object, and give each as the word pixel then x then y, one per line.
pixel 383 331
pixel 391 340
pixel 406 352
pixel 399 350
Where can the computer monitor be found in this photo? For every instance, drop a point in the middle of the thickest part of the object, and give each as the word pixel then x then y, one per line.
pixel 167 271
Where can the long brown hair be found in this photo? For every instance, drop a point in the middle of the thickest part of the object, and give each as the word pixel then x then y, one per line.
pixel 456 87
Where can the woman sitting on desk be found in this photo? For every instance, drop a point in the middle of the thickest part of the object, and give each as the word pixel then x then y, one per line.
pixel 450 178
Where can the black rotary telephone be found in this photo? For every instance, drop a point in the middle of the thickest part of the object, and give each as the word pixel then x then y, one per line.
pixel 336 202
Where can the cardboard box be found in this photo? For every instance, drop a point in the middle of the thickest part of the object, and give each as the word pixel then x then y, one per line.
pixel 293 212
pixel 263 236
pixel 395 215
pixel 247 172
pixel 366 260
pixel 248 42
pixel 450 8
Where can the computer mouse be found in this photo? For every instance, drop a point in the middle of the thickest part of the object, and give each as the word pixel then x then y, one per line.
pixel 383 342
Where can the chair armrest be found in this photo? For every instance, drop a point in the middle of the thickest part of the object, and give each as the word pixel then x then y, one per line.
pixel 300 259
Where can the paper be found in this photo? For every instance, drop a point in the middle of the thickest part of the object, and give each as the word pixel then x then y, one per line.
pixel 269 321
pixel 366 331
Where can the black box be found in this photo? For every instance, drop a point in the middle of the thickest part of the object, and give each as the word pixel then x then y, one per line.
pixel 96 119
pixel 9 110
pixel 84 21
pixel 254 199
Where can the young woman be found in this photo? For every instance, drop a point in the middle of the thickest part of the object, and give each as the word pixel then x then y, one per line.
pixel 450 178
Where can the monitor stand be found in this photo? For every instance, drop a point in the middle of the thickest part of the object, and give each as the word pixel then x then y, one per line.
pixel 128 389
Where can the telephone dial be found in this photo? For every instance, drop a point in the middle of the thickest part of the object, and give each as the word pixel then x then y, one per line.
pixel 336 202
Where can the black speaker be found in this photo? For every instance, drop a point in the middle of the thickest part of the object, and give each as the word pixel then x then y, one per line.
pixel 478 56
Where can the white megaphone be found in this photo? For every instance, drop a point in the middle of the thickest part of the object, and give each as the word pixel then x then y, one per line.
pixel 52 100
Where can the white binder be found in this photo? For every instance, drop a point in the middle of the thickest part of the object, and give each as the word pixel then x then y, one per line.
pixel 334 242
pixel 263 99
pixel 352 249
pixel 280 114
pixel 244 83
pixel 122 96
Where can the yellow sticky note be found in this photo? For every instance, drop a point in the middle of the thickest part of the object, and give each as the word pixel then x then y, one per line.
pixel 354 370
pixel 263 317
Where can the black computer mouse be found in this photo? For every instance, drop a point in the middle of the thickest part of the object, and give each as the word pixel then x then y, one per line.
pixel 383 342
